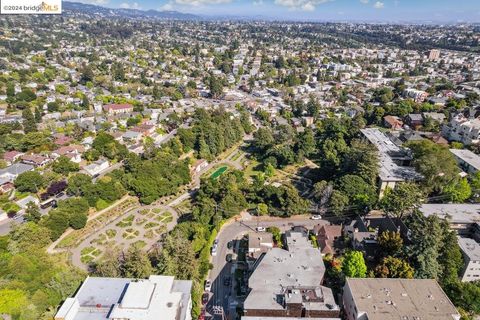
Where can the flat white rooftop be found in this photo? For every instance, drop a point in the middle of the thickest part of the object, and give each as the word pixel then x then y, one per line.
pixel 389 171
pixel 467 156
pixel 159 297
pixel 397 299
pixel 454 213
pixel 470 248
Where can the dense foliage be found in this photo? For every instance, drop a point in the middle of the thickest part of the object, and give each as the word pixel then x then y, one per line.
pixel 150 179
pixel 33 283
pixel 211 133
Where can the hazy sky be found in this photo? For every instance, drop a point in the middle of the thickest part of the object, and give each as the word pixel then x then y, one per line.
pixel 371 10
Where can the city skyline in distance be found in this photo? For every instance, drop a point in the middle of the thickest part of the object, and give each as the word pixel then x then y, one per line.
pixel 395 11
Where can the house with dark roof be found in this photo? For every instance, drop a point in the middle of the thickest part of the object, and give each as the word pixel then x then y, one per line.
pixel 414 120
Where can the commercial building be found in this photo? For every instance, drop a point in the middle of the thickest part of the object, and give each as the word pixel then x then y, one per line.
pixel 287 283
pixel 159 297
pixel 396 299
pixel 471 254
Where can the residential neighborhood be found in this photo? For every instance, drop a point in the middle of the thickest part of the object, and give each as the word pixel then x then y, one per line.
pixel 156 164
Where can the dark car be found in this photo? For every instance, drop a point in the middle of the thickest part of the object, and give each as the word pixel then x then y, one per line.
pixel 61 194
pixel 230 245
pixel 229 257
pixel 205 297
pixel 227 281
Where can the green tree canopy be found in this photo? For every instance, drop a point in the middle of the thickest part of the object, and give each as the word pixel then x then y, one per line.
pixel 354 265
pixel 458 190
pixel 64 166
pixel 391 267
pixel 435 163
pixel 402 199
pixel 30 181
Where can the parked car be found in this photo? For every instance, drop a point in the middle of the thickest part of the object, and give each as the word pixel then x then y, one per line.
pixel 230 244
pixel 316 217
pixel 229 257
pixel 208 285
pixel 227 282
pixel 205 298
pixel 214 250
pixel 261 229
pixel 215 242
pixel 61 194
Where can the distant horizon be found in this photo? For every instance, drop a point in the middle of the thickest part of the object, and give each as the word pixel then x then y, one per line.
pixel 367 11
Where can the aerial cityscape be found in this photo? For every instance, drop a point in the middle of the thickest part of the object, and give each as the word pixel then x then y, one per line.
pixel 234 160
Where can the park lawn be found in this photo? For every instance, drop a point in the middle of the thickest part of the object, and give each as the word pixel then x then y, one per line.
pixel 130 234
pixel 139 244
pixel 225 154
pixel 251 170
pixel 150 225
pixel 127 222
pixel 237 155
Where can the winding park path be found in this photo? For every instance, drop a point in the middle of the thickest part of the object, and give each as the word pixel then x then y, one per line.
pixel 122 237
pixel 142 225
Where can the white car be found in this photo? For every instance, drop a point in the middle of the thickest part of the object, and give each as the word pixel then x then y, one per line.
pixel 208 285
pixel 316 217
pixel 214 250
pixel 261 229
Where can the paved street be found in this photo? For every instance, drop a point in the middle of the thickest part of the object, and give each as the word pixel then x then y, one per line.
pixel 225 296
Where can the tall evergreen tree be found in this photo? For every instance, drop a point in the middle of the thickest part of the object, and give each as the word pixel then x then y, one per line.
pixel 29 123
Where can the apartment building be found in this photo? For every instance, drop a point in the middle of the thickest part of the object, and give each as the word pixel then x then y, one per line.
pixel 462 129
pixel 466 160
pixel 158 297
pixel 394 299
pixel 288 283
pixel 113 109
pixel 394 160
pixel 471 254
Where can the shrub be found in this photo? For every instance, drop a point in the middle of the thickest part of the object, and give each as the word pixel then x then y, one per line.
pixel 78 221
